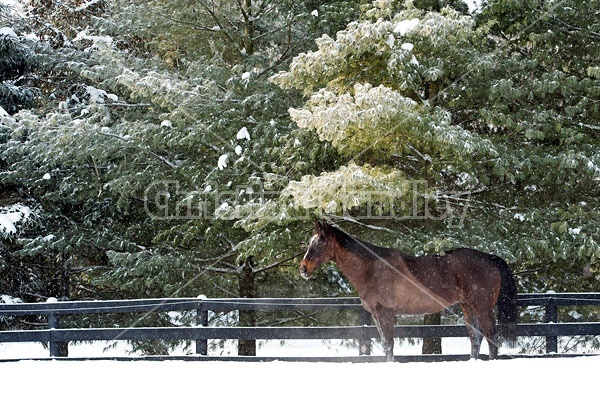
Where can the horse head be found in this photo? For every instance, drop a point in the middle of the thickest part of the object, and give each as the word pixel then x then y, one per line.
pixel 319 250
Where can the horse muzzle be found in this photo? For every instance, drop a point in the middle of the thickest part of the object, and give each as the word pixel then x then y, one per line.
pixel 305 270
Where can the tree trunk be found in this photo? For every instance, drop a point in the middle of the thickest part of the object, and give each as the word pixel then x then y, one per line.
pixel 247 347
pixel 432 345
pixel 248 40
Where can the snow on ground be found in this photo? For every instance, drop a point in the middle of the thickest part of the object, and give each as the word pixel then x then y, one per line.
pixel 265 348
pixel 533 378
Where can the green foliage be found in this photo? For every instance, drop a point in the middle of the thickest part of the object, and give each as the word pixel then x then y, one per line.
pixel 157 118
pixel 497 114
pixel 15 70
pixel 176 139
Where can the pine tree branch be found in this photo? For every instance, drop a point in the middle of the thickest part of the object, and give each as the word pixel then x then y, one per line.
pixel 352 220
pixel 301 316
pixel 243 10
pixel 219 23
pixel 263 10
pixel 284 55
pixel 529 271
pixel 220 270
pixel 145 150
pixel 279 263
pixel 592 127
pixel 97 175
pixel 575 28
pixel 126 105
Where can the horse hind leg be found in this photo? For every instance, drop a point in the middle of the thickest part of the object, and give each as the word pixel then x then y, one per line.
pixel 474 329
pixel 493 344
pixel 488 327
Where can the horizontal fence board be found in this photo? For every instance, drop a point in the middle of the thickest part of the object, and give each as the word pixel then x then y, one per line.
pixel 351 332
pixel 558 329
pixel 320 304
pixel 258 304
pixel 178 304
pixel 89 307
pixel 25 336
pixel 560 299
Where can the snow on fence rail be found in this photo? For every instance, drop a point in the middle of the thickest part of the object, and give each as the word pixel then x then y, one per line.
pixel 201 333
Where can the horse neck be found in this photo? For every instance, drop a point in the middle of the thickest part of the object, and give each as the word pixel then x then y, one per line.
pixel 354 266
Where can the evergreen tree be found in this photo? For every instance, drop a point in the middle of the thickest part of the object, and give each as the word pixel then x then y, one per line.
pixel 163 121
pixel 217 128
pixel 459 132
pixel 542 105
pixel 15 66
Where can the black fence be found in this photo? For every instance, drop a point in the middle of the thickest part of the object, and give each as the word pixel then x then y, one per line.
pixel 550 327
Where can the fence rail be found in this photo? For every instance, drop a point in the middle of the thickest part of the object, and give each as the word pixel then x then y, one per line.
pixel 551 329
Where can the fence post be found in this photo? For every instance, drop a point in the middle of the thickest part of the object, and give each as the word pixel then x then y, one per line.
pixel 364 344
pixel 201 320
pixel 551 317
pixel 53 323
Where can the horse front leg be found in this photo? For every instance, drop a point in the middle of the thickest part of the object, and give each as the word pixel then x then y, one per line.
pixel 384 319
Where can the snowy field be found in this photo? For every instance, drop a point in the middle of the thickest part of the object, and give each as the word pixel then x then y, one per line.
pixel 533 378
pixel 516 378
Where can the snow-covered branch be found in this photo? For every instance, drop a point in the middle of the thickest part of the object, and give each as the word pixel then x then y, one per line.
pixel 11 217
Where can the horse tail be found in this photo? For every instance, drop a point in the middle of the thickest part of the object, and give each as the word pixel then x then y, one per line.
pixel 507 305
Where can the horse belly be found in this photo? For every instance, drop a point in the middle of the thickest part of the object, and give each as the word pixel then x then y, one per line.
pixel 418 305
pixel 402 292
pixel 416 299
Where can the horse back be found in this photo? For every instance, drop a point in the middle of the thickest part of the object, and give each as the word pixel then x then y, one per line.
pixel 458 273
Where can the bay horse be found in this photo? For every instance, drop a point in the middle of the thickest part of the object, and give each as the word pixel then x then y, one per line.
pixel 390 283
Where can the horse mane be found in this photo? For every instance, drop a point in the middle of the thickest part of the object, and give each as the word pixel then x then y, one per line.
pixel 360 247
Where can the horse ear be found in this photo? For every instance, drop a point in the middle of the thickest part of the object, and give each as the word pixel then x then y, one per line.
pixel 318 226
pixel 321 226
